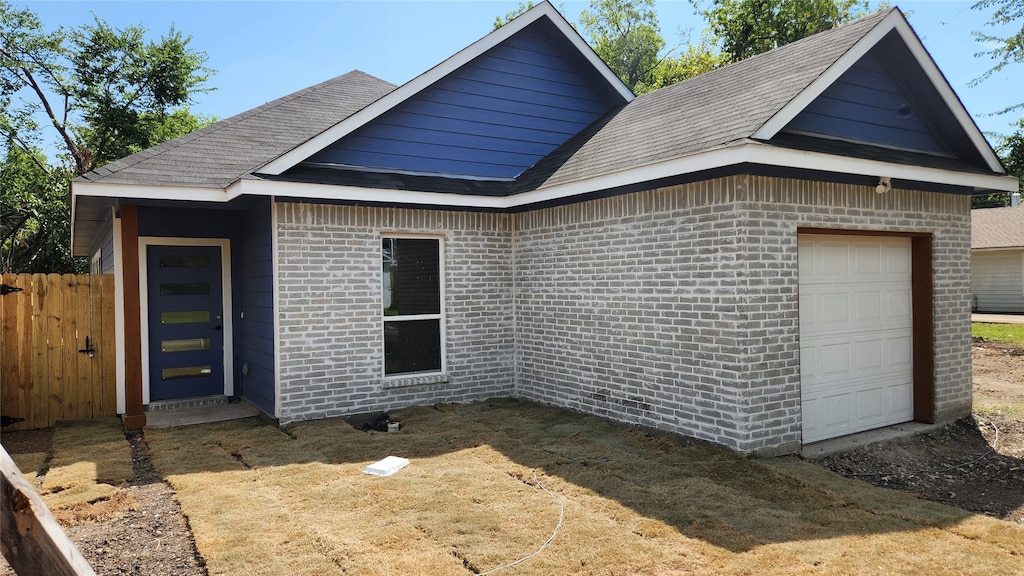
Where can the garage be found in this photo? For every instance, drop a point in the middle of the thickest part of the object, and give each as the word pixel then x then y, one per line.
pixel 856 333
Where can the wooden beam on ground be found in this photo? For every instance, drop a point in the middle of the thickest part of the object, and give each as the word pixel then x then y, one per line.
pixel 30 538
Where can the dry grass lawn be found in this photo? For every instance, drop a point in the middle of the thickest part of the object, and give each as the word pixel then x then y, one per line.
pixel 261 501
pixel 90 460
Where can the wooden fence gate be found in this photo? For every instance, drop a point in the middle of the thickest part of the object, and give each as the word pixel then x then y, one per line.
pixel 57 343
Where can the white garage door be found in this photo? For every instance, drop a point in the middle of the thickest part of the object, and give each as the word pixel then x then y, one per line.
pixel 856 326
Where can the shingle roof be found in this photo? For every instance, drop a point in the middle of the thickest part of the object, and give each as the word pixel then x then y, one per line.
pixel 997 228
pixel 221 153
pixel 714 109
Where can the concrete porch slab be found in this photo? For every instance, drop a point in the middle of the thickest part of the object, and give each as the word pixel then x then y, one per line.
pixel 200 414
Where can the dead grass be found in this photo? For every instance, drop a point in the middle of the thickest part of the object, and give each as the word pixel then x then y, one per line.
pixel 90 461
pixel 30 463
pixel 264 502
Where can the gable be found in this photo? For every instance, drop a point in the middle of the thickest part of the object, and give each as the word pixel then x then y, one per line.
pixel 887 99
pixel 491 118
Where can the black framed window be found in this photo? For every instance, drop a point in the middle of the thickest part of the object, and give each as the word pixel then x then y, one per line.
pixel 411 279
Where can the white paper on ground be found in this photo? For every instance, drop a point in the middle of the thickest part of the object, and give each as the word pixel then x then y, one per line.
pixel 387 466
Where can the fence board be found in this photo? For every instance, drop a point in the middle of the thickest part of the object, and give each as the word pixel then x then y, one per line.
pixel 43 377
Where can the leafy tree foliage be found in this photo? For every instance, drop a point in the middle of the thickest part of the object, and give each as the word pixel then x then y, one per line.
pixel 1011 152
pixel 105 93
pixel 626 35
pixel 1008 49
pixel 748 27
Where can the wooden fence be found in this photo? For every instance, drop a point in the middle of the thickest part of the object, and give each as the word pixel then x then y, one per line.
pixel 46 370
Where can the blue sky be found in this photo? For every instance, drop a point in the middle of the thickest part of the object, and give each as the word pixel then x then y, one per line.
pixel 264 50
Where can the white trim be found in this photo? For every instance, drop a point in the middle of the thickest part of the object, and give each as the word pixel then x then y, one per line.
pixel 894 21
pixel 428 78
pixel 275 251
pixel 119 346
pixel 225 261
pixel 1000 249
pixel 440 317
pixel 743 152
pixel 144 192
pixel 773 156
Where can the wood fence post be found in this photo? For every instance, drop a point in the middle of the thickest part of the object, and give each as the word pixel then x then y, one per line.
pixel 30 538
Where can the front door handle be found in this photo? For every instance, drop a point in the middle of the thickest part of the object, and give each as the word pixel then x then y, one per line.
pixel 218 328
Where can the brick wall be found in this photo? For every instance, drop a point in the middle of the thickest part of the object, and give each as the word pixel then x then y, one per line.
pixel 329 282
pixel 677 308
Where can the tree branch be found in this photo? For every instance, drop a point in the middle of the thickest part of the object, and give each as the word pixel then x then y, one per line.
pixel 80 168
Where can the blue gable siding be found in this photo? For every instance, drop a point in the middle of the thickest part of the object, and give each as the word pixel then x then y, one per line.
pixel 492 118
pixel 868 104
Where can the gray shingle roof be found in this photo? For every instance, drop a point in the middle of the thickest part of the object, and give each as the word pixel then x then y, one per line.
pixel 997 228
pixel 221 153
pixel 714 109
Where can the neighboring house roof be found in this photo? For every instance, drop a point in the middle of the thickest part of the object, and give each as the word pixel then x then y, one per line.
pixel 766 112
pixel 997 228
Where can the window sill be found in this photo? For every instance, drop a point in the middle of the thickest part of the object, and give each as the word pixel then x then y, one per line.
pixel 413 380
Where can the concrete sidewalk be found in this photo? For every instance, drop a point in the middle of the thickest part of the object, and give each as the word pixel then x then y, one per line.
pixel 998 318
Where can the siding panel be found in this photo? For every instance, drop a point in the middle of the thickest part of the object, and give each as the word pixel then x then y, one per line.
pixel 255 307
pixel 867 104
pixel 501 113
pixel 997 281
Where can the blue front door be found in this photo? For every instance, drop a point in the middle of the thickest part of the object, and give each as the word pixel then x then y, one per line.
pixel 186 328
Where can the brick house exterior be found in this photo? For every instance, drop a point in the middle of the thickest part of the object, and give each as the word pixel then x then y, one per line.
pixel 671 260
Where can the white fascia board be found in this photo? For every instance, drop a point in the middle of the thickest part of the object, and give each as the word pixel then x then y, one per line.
pixel 999 249
pixel 795 106
pixel 788 158
pixel 416 85
pixel 152 192
pixel 687 165
pixel 358 194
pixel 743 153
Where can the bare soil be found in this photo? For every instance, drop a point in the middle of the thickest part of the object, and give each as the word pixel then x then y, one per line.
pixel 976 463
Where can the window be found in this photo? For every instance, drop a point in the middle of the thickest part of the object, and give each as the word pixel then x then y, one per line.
pixel 411 283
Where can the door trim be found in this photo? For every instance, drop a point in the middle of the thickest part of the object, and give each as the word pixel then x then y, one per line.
pixel 225 255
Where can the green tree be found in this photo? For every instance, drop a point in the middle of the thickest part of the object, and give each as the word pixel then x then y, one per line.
pixel 692 60
pixel 1005 50
pixel 626 35
pixel 104 93
pixel 748 27
pixel 1011 151
pixel 500 21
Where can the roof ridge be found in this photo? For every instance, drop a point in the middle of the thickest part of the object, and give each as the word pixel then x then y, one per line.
pixel 175 143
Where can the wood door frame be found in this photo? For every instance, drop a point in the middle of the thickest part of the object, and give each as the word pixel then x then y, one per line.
pixel 922 291
pixel 225 263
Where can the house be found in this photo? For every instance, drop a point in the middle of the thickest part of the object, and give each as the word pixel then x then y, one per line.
pixel 997 259
pixel 770 254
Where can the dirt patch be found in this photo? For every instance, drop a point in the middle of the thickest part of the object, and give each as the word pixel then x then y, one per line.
pixel 139 531
pixel 976 463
